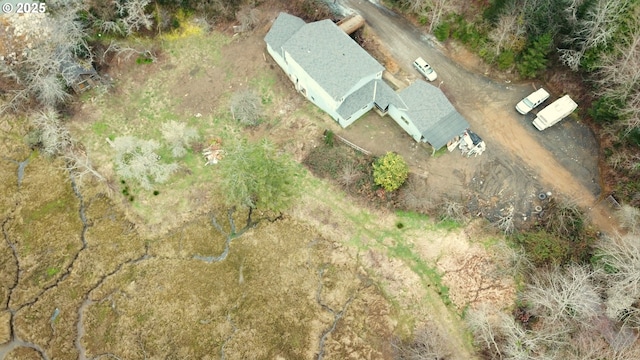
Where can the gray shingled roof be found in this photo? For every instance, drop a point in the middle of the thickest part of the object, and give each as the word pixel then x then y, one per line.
pixel 385 95
pixel 282 30
pixel 357 100
pixel 72 69
pixel 330 57
pixel 432 113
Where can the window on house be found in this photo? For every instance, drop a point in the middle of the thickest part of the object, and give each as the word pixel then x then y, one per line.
pixel 404 119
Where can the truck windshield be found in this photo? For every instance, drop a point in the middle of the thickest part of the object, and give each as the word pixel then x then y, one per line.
pixel 528 103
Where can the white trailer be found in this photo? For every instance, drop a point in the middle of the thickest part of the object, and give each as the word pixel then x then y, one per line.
pixel 555 112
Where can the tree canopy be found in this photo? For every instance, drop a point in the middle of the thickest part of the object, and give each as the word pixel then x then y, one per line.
pixel 257 176
pixel 390 171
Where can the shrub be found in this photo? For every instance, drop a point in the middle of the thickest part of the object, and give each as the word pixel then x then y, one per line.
pixel 49 133
pixel 136 159
pixel 328 138
pixel 534 58
pixel 443 31
pixel 179 136
pixel 256 175
pixel 246 107
pixel 606 110
pixel 390 171
pixel 505 59
pixel 543 248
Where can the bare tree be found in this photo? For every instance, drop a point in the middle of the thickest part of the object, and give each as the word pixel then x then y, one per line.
pixel 428 342
pixel 505 221
pixel 453 210
pixel 511 260
pixel 621 258
pixel 179 136
pixel 137 159
pixel 437 11
pixel 564 218
pixel 133 15
pixel 417 6
pixel 596 28
pixel 52 136
pixel 510 29
pixel 629 217
pixel 246 107
pixel 78 162
pixel 248 17
pixel 562 295
pixel 486 330
pixel 126 52
pixel 546 342
pixel 349 174
pixel 571 10
pixel 54 39
pixel 619 76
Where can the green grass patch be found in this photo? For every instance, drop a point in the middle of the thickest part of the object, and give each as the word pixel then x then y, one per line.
pixel 443 150
pixel 428 273
pixel 100 128
pixel 52 271
pixel 399 248
pixel 51 207
pixel 448 224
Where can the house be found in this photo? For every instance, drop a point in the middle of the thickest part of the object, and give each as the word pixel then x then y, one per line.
pixel 341 78
pixel 428 116
pixel 79 75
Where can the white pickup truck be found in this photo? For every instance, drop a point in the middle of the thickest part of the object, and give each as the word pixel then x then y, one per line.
pixel 533 100
pixel 555 112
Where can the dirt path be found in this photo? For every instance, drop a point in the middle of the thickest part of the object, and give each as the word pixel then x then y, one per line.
pixel 488 106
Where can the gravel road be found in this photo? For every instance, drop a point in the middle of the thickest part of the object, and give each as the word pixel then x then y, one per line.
pixel 562 159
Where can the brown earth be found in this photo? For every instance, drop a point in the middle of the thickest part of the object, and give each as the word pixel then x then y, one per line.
pixel 125 283
pixel 562 159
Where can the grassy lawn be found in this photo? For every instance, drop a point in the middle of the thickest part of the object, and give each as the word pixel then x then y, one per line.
pixel 192 74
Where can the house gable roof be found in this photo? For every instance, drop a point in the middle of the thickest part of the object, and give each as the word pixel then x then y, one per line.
pixel 330 57
pixel 282 30
pixel 385 96
pixel 432 113
pixel 357 100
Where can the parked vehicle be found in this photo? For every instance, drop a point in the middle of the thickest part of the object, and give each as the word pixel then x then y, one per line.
pixel 532 101
pixel 555 112
pixel 425 69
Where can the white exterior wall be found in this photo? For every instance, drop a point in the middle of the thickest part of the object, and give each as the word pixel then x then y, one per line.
pixel 362 82
pixel 346 122
pixel 315 93
pixel 312 90
pixel 277 56
pixel 409 127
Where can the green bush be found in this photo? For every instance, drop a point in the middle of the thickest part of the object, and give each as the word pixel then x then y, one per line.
pixel 468 34
pixel 390 171
pixel 632 137
pixel 506 59
pixel 543 248
pixel 606 110
pixel 561 236
pixel 328 138
pixel 534 58
pixel 493 11
pixel 443 31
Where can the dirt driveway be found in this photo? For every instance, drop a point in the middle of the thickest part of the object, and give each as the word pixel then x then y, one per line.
pixel 519 162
